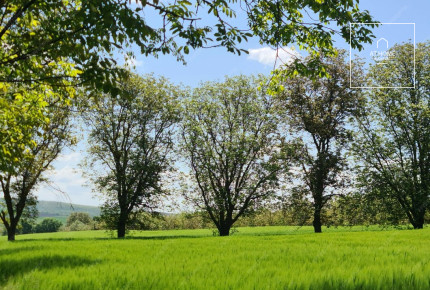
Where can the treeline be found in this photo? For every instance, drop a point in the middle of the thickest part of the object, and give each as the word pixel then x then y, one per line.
pixel 341 154
pixel 351 210
pixel 290 149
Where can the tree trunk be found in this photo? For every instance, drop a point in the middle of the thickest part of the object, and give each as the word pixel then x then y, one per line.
pixel 122 221
pixel 419 226
pixel 224 230
pixel 317 219
pixel 416 215
pixel 419 220
pixel 11 231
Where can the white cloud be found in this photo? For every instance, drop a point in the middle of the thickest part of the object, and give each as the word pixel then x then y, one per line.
pixel 67 176
pixel 66 182
pixel 71 156
pixel 269 56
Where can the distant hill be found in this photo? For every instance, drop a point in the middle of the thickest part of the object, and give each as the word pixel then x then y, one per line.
pixel 61 210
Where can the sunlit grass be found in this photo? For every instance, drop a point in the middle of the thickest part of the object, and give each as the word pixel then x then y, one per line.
pixel 253 258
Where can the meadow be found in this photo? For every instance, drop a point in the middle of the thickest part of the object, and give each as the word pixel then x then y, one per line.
pixel 253 258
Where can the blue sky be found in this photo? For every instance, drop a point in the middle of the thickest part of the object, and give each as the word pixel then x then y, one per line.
pixel 214 64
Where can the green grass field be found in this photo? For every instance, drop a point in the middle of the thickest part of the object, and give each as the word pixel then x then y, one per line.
pixel 253 258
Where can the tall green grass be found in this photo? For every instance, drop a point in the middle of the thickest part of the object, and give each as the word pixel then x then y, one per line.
pixel 253 258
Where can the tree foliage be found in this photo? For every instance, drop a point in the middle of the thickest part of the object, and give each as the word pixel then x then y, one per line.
pixel 232 146
pixel 48 225
pixel 311 25
pixel 393 143
pixel 37 36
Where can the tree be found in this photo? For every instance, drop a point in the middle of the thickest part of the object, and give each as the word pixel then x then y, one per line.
pixel 28 218
pixel 48 225
pixel 318 110
pixel 80 221
pixel 27 227
pixel 367 206
pixel 393 140
pixel 17 187
pixel 230 140
pixel 82 217
pixel 131 140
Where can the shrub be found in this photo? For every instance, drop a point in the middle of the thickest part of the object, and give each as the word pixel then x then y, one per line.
pixel 78 226
pixel 26 227
pixel 48 225
pixel 82 217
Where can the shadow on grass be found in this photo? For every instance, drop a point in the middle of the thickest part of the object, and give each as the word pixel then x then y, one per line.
pixel 10 268
pixel 165 237
pixel 288 231
pixel 113 238
pixel 13 251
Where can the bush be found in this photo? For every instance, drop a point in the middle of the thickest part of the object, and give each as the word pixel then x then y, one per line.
pixel 48 225
pixel 98 223
pixel 26 227
pixel 80 221
pixel 82 217
pixel 78 226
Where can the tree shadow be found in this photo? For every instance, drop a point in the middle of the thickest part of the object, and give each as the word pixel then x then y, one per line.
pixel 13 251
pixel 164 237
pixel 23 241
pixel 13 267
